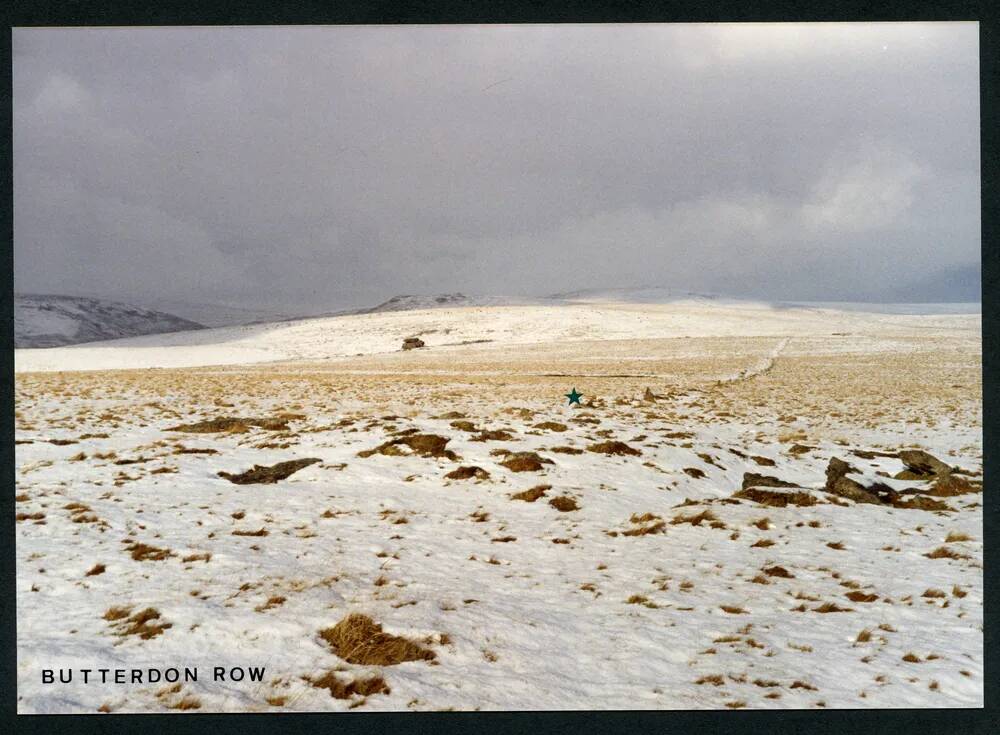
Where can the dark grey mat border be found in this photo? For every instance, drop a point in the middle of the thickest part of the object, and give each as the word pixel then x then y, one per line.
pixel 266 12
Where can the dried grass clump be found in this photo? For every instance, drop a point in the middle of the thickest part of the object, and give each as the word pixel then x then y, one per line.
pixel 363 687
pixel 145 552
pixel 566 450
pixel 934 593
pixel 694 520
pixel 258 532
pixel 524 462
pixel 777 571
pixel 551 426
pixel 143 624
pixel 531 494
pixel 943 552
pixel 95 570
pixel 188 702
pixel 467 472
pixel 564 504
pixel 261 475
pixel 358 639
pixel 614 448
pixel 831 607
pixel 423 445
pixel 955 537
pixel 715 680
pixel 732 609
pixel 858 596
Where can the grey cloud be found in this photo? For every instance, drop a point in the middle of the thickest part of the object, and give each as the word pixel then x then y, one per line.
pixel 322 167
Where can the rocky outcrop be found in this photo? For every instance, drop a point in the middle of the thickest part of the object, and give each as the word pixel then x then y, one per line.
pixel 837 483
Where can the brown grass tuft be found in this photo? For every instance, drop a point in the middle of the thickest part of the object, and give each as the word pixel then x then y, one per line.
pixel 532 494
pixel 614 448
pixel 258 532
pixel 364 686
pixel 732 609
pixel 858 596
pixel 694 520
pixel 145 552
pixel 777 571
pixel 564 503
pixel 943 552
pixel 359 640
pixel 831 607
pixel 95 570
pixel 954 537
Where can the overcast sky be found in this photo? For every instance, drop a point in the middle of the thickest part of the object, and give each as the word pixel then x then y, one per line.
pixel 322 167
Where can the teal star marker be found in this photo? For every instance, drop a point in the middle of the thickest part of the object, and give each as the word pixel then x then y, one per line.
pixel 573 396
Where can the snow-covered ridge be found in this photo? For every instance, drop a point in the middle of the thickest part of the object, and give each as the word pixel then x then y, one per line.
pixel 42 320
pixel 449 328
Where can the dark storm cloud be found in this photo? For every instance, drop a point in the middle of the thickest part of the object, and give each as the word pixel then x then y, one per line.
pixel 323 167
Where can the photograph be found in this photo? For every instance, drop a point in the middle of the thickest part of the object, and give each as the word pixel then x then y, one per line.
pixel 497 367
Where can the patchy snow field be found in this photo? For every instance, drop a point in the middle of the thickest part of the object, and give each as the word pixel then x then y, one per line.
pixel 585 557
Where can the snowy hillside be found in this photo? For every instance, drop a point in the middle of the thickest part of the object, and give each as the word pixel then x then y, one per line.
pixel 498 326
pixel 52 321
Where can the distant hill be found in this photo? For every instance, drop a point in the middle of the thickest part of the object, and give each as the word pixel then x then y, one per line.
pixel 44 320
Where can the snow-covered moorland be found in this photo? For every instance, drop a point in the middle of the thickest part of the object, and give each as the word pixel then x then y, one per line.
pixel 696 545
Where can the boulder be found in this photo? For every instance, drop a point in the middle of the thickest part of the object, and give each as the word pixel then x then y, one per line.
pixel 921 465
pixel 837 483
pixel 752 479
pixel 413 343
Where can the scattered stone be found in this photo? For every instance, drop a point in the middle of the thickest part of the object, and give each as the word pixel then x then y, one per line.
pixel 694 472
pixel 799 449
pixel 921 466
pixel 777 498
pixel 413 343
pixel 752 479
pixel 463 426
pixel 261 475
pixel 837 483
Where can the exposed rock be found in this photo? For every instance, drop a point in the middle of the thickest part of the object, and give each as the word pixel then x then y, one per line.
pixel 866 454
pixel 413 343
pixel 261 475
pixel 922 465
pixel 837 483
pixel 752 479
pixel 777 498
pixel 463 426
pixel 649 396
pixel 799 449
